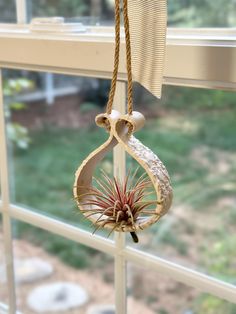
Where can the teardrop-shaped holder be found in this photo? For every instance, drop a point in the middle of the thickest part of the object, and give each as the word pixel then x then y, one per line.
pixel 121 129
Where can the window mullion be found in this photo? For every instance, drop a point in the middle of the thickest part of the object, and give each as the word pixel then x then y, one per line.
pixel 7 234
pixel 119 170
pixel 63 229
pixel 21 11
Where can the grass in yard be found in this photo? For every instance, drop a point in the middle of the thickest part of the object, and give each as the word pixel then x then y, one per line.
pixel 44 174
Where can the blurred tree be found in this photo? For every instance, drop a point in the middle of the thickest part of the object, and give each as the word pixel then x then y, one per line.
pixel 65 8
pixel 17 133
pixel 7 11
pixel 96 7
pixel 101 9
pixel 184 13
pixel 202 13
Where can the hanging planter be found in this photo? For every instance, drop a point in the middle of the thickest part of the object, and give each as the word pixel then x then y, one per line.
pixel 120 204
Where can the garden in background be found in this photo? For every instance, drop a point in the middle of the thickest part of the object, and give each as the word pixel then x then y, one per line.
pixel 191 130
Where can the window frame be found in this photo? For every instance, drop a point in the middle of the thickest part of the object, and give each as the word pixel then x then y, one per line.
pixel 91 54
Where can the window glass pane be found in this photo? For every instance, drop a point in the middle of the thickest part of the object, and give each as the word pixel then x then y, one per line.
pixel 155 293
pixel 7 11
pixel 54 274
pixel 201 13
pixel 94 12
pixel 184 13
pixel 193 133
pixel 3 277
pixel 51 130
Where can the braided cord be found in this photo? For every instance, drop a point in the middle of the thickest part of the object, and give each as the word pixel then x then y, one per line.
pixel 116 58
pixel 128 58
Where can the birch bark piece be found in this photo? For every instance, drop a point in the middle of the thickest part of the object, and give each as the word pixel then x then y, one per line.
pixel 121 129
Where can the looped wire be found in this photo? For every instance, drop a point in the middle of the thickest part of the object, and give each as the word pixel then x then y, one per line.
pixel 116 57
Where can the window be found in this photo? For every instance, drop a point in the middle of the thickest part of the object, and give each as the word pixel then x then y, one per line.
pixel 201 13
pixel 8 11
pixel 192 129
pixel 190 14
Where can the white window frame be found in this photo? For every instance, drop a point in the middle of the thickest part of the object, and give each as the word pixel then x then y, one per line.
pixel 197 58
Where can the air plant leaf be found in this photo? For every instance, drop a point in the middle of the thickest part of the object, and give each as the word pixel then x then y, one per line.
pixel 118 202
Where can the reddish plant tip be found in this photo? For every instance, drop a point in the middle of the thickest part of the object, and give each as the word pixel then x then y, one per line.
pixel 118 202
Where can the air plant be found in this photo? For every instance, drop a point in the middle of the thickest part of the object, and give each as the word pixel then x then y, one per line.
pixel 118 203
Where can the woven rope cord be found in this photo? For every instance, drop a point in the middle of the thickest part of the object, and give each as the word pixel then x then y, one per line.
pixel 128 58
pixel 116 58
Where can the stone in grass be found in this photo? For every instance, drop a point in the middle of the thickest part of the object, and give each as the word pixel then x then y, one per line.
pixel 57 297
pixel 101 309
pixel 30 269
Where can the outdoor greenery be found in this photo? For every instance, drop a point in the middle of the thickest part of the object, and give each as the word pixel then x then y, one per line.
pixel 201 13
pixel 194 135
pixel 85 11
pixel 184 13
pixel 210 305
pixel 17 134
